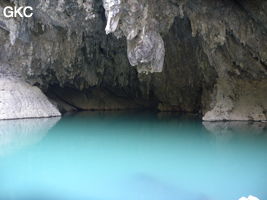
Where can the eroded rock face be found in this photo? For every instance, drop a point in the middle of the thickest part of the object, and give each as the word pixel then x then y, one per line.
pixel 21 100
pixel 233 36
pixel 211 55
pixel 239 100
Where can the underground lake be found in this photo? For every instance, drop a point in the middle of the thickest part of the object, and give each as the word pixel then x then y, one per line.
pixel 131 156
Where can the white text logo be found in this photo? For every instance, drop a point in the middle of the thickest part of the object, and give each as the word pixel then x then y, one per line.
pixel 18 12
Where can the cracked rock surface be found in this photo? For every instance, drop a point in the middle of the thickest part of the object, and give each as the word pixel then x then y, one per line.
pixel 201 56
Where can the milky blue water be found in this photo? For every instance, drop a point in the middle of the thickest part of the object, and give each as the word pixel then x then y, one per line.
pixel 122 156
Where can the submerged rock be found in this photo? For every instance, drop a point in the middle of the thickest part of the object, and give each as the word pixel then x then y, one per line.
pixel 21 100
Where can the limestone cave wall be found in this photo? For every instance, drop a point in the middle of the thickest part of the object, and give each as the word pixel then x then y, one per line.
pixel 202 56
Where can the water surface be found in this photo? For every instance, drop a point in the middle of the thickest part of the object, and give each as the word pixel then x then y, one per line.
pixel 120 156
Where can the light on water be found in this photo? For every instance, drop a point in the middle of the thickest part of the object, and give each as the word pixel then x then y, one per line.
pixel 118 156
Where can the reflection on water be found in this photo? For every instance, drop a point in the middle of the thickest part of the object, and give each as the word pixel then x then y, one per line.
pixel 15 134
pixel 120 156
pixel 232 131
pixel 240 127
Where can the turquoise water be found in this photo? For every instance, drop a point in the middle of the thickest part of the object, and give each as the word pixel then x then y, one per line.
pixel 120 156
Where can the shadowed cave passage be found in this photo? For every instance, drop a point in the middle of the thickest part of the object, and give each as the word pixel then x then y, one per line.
pixel 179 88
pixel 96 99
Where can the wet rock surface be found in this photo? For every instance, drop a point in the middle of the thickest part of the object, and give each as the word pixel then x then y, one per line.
pixel 211 56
